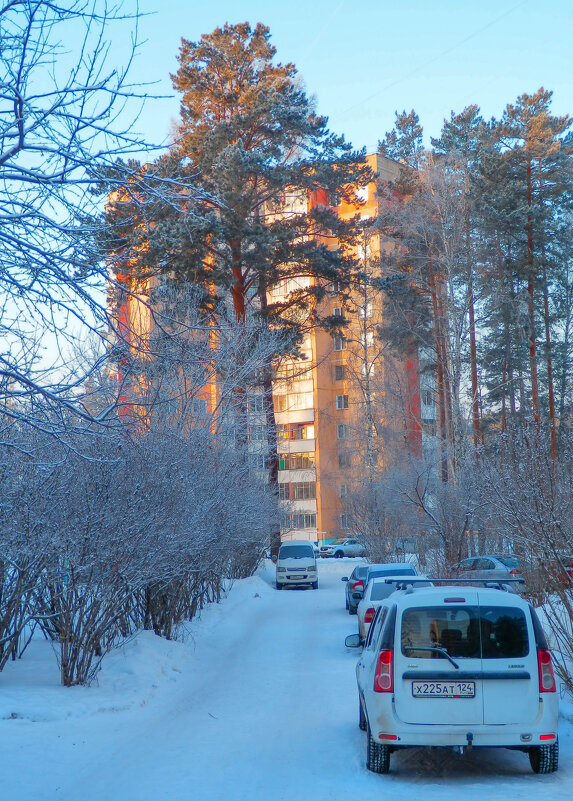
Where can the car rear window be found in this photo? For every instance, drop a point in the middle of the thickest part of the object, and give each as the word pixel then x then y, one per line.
pixel 296 552
pixel 407 570
pixel 381 590
pixel 487 632
pixel 509 561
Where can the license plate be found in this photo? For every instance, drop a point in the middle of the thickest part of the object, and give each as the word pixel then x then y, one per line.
pixel 443 689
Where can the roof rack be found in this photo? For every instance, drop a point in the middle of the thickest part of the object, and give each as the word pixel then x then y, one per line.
pixel 493 584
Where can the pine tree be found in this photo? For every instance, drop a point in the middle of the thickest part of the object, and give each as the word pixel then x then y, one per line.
pixel 267 175
pixel 460 145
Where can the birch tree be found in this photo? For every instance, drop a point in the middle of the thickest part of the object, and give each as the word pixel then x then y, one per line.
pixel 64 115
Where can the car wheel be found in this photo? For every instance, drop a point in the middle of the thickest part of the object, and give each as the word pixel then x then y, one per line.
pixel 338 555
pixel 315 585
pixel 377 756
pixel 279 586
pixel 362 724
pixel 350 610
pixel 544 758
pixel 347 604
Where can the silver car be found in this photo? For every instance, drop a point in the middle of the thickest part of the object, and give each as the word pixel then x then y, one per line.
pixel 492 567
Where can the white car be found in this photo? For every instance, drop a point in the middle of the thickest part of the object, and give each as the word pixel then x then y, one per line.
pixel 296 565
pixel 376 591
pixel 457 667
pixel 348 546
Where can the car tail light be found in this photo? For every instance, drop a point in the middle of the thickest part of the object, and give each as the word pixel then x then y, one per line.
pixel 384 676
pixel 369 615
pixel 546 677
pixel 357 585
pixel 514 572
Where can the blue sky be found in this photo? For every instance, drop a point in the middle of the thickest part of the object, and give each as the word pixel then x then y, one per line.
pixel 364 59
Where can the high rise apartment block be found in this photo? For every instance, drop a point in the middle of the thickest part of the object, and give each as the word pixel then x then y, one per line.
pixel 333 402
pixel 330 405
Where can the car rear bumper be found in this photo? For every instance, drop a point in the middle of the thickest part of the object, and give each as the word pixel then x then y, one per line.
pixel 480 738
pixel 390 730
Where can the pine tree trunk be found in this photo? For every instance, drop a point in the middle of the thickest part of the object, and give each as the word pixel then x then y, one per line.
pixel 551 397
pixel 273 456
pixel 531 303
pixel 442 426
pixel 473 348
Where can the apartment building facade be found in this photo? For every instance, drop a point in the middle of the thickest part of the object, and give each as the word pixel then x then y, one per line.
pixel 331 400
pixel 331 404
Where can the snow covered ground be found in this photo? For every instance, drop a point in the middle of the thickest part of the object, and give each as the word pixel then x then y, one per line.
pixel 258 702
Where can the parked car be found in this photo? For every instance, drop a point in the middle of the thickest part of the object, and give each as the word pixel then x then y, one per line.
pixel 347 546
pixel 492 567
pixel 296 565
pixel 379 570
pixel 377 590
pixel 354 587
pixel 457 667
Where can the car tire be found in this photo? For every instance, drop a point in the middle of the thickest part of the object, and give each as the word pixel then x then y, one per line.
pixel 315 585
pixel 377 755
pixel 338 555
pixel 350 611
pixel 279 586
pixel 362 723
pixel 347 604
pixel 544 758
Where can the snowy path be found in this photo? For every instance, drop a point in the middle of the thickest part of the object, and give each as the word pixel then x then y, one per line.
pixel 259 703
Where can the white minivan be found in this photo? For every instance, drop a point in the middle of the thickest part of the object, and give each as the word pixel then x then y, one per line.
pixel 296 565
pixel 459 667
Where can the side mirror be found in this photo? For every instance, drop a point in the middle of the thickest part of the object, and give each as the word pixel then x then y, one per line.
pixel 344 578
pixel 274 558
pixel 353 641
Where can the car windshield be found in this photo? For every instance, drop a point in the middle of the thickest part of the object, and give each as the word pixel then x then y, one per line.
pixel 509 561
pixel 296 552
pixel 486 632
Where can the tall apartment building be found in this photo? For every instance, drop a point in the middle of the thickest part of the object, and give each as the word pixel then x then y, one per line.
pixel 330 404
pixel 331 401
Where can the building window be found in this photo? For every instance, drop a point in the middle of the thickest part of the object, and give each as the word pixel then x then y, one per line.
pixel 337 311
pixel 427 397
pixel 344 460
pixel 344 521
pixel 368 339
pixel 296 400
pixel 259 461
pixel 258 433
pixel 302 490
pixel 199 407
pixel 339 342
pixel 284 492
pixel 342 431
pixel 336 287
pixel 365 311
pixel 255 403
pixel 342 491
pixel 301 431
pixel 301 520
pixel 367 367
pixel 296 461
pixel 342 402
pixel 338 372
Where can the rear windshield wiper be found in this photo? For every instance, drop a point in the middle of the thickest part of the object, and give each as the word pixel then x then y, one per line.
pixel 434 649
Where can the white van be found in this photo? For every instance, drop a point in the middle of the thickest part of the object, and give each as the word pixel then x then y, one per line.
pixel 296 565
pixel 459 667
